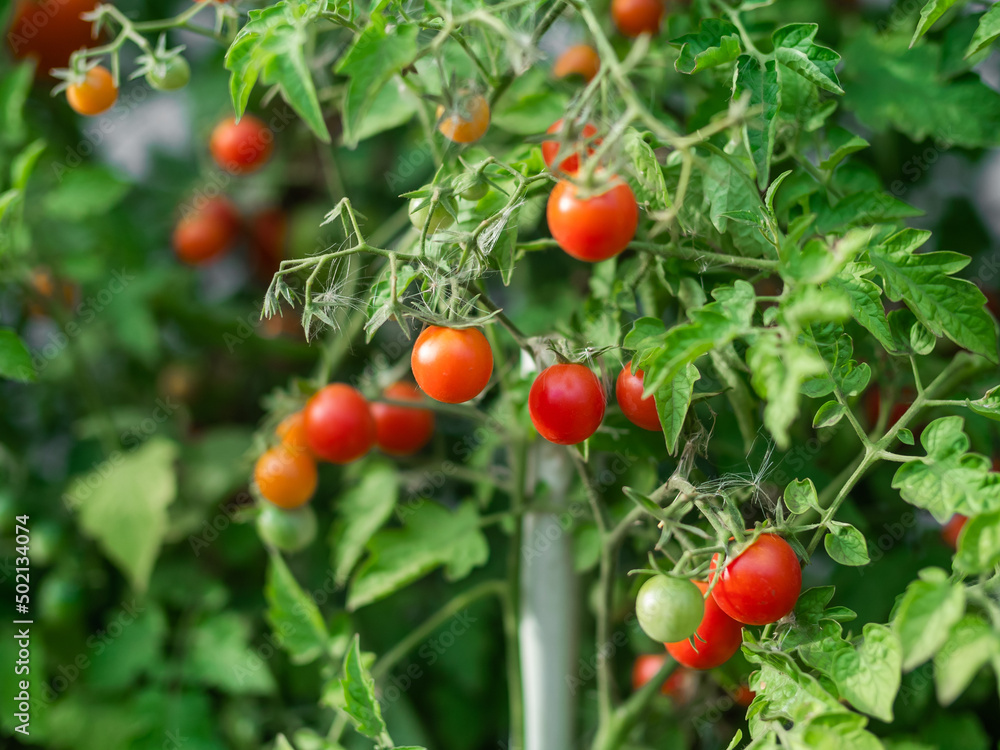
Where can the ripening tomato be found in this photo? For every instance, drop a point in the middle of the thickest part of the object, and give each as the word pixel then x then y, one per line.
pixel 595 228
pixel 634 17
pixel 680 685
pixel 668 609
pixel 268 234
pixel 402 430
pixel 717 638
pixel 743 696
pixel 285 477
pixel 566 404
pixel 95 94
pixel 452 364
pixel 580 60
pixel 170 75
pixel 951 530
pixel 291 431
pixel 49 32
pixel 287 530
pixel 761 584
pixel 241 147
pixel 467 120
pixel 339 424
pixel 550 149
pixel 207 232
pixel 640 411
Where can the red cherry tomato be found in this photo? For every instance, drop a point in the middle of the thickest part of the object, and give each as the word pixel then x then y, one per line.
pixel 339 424
pixel 95 94
pixel 452 364
pixel 680 685
pixel 762 584
pixel 640 411
pixel 468 119
pixel 550 149
pixel 566 404
pixel 241 147
pixel 268 233
pixel 285 477
pixel 951 530
pixel 743 696
pixel 595 228
pixel 402 430
pixel 634 17
pixel 580 59
pixel 717 638
pixel 50 32
pixel 207 232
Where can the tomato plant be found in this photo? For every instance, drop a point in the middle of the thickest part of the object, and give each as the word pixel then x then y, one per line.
pixel 566 403
pixel 592 228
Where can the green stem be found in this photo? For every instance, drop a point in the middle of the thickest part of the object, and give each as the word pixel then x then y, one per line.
pixel 612 735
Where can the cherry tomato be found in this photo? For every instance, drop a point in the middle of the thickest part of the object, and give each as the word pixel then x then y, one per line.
pixel 268 233
pixel 595 228
pixel 680 685
pixel 743 696
pixel 291 431
pixel 717 638
pixel 580 59
pixel 634 17
pixel 452 364
pixel 50 32
pixel 873 405
pixel 640 411
pixel 241 147
pixel 170 75
pixel 287 530
pixel 566 404
pixel 441 217
pixel 207 232
pixel 46 286
pixel 467 121
pixel 668 609
pixel 285 477
pixel 476 191
pixel 95 94
pixel 951 530
pixel 550 149
pixel 402 430
pixel 339 424
pixel 762 584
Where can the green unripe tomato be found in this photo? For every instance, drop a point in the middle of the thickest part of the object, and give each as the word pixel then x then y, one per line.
pixel 172 75
pixel 287 530
pixel 669 609
pixel 440 219
pixel 476 192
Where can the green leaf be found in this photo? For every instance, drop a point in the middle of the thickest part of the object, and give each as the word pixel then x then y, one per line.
pixel 845 544
pixel 294 616
pixel 529 105
pixel 360 702
pixel 840 371
pixel 764 89
pixel 24 164
pixel 970 645
pixel 926 614
pixel 432 537
pixel 929 15
pixel 987 31
pixel 672 402
pixel 800 497
pixel 362 511
pixel 646 176
pixel 219 655
pixel 728 188
pixel 15 360
pixel 716 42
pixel 136 652
pixel 15 85
pixel 795 48
pixel 949 479
pixel 989 405
pixel 841 143
pixel 861 209
pixel 829 414
pixel 123 505
pixel 946 305
pixel 778 369
pixel 979 544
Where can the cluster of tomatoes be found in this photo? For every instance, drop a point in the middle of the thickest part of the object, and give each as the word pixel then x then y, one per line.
pixel 702 629
pixel 682 684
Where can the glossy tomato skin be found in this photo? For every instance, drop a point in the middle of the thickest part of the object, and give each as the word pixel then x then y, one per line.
pixel 718 637
pixel 566 403
pixel 97 92
pixel 951 530
pixel 638 410
pixel 172 75
pixel 680 685
pixel 452 365
pixel 595 228
pixel 49 32
pixel 402 430
pixel 207 232
pixel 635 17
pixel 467 121
pixel 241 147
pixel 550 149
pixel 339 425
pixel 762 584
pixel 580 59
pixel 668 609
pixel 286 477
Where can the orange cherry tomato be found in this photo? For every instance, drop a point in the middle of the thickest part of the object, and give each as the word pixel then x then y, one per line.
pixel 635 17
pixel 95 94
pixel 451 364
pixel 467 121
pixel 291 431
pixel 241 147
pixel 402 430
pixel 580 59
pixel 286 477
pixel 207 232
pixel 49 32
pixel 550 149
pixel 951 530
